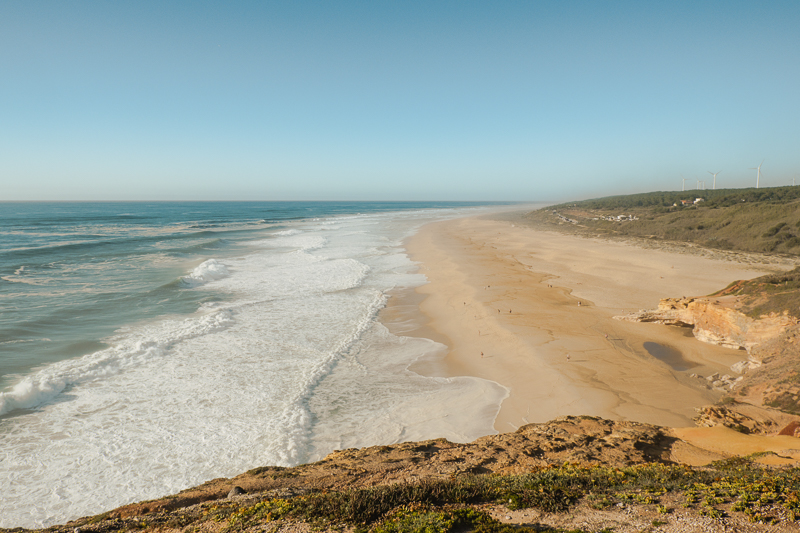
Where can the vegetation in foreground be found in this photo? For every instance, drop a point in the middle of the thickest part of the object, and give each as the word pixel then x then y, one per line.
pixel 765 220
pixel 764 495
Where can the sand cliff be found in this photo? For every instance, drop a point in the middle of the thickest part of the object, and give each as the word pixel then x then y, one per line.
pixel 716 321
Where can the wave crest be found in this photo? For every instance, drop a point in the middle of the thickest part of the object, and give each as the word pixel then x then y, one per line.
pixel 206 271
pixel 46 384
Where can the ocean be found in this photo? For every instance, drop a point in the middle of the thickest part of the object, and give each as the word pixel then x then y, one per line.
pixel 149 347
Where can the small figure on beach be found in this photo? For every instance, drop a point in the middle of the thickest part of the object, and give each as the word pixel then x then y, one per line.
pixel 481 354
pixel 606 335
pixel 509 311
pixel 579 304
pixel 568 357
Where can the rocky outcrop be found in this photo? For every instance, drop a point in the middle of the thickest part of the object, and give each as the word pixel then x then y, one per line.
pixel 745 418
pixel 724 382
pixel 715 322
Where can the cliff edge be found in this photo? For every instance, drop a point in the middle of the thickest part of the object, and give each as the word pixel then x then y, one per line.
pixel 575 473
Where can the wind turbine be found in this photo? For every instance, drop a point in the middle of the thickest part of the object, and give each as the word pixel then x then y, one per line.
pixel 683 187
pixel 715 177
pixel 758 174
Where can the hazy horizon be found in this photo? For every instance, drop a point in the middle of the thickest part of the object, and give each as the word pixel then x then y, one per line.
pixel 458 101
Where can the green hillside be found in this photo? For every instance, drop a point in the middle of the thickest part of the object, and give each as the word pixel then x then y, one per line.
pixel 765 220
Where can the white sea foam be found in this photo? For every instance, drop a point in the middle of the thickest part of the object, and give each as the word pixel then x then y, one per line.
pixel 19 341
pixel 44 385
pixel 18 278
pixel 287 365
pixel 292 240
pixel 297 241
pixel 206 271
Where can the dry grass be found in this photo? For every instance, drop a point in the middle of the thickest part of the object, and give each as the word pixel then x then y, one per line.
pixel 774 293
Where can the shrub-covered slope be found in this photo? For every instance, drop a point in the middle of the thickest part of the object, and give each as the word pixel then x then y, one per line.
pixel 751 220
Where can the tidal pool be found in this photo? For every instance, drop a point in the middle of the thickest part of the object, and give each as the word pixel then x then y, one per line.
pixel 669 355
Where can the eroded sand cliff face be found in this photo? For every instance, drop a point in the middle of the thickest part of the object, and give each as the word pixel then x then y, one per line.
pixel 716 321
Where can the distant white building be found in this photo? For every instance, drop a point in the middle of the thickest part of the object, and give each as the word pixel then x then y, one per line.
pixel 618 218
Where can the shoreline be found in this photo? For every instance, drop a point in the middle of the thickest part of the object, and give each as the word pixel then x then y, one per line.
pixel 477 266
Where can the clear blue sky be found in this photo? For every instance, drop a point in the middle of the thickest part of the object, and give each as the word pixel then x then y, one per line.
pixel 393 100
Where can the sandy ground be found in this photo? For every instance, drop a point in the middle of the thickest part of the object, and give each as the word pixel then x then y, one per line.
pixel 533 311
pixel 727 442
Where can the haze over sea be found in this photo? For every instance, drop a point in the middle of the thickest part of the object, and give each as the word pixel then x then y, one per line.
pixel 148 347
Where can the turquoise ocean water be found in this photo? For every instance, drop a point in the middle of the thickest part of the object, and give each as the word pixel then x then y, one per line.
pixel 148 347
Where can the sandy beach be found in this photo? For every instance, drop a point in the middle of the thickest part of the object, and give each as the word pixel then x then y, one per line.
pixel 533 311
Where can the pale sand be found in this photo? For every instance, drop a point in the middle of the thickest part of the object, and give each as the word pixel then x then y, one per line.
pixel 477 267
pixel 727 442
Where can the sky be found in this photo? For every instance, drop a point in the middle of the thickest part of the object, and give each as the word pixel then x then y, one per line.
pixel 378 100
